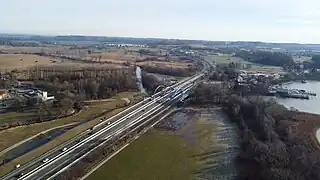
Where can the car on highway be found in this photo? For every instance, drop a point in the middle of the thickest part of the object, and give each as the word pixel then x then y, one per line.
pixel 18 165
pixel 159 101
pixel 20 175
pixel 45 160
pixel 109 123
pixel 64 149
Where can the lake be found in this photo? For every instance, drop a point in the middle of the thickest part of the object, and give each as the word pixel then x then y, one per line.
pixel 312 105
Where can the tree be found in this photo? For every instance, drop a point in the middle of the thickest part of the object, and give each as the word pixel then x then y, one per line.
pixel 17 105
pixel 91 89
pixel 65 105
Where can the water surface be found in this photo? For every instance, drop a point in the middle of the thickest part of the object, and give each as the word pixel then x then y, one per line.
pixel 312 105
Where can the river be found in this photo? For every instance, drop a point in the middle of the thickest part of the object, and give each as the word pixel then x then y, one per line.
pixel 139 79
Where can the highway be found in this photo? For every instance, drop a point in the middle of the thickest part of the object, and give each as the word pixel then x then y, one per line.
pixel 60 158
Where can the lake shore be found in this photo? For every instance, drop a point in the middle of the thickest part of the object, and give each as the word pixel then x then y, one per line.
pixel 318 135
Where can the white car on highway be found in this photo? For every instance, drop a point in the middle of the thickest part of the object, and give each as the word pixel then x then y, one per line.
pixel 45 160
pixel 64 149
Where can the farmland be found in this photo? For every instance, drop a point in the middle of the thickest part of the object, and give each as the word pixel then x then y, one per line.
pixel 248 66
pixel 22 61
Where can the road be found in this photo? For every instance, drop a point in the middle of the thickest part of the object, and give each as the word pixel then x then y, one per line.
pixel 62 157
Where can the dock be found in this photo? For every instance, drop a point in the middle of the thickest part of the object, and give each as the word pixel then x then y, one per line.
pixel 290 93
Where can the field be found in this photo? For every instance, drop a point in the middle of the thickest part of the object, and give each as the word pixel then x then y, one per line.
pixel 14 135
pixel 21 61
pixel 22 49
pixel 248 66
pixel 222 58
pixel 301 58
pixel 155 156
pixel 17 117
pixel 162 153
pixel 114 57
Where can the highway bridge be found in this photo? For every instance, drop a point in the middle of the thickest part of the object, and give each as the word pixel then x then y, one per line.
pixel 57 160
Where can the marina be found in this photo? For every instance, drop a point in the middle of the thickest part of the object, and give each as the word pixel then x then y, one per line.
pixel 290 93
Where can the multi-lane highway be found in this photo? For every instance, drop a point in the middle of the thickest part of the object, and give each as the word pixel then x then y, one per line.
pixel 59 159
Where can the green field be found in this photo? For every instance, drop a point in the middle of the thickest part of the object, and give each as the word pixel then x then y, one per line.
pixel 302 58
pixel 163 155
pixel 226 59
pixel 11 117
pixel 223 59
pixel 154 156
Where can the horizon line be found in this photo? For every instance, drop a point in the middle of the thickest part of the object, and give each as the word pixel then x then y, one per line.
pixel 160 38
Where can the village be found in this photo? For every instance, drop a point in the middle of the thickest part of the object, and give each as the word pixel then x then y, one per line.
pixel 250 79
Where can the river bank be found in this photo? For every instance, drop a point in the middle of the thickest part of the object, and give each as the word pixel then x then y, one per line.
pixel 276 143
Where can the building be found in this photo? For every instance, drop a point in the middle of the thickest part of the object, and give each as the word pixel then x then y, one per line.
pixel 27 92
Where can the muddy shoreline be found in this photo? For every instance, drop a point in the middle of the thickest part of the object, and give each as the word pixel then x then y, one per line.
pixel 213 137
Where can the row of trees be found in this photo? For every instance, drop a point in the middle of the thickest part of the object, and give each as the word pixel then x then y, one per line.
pixel 69 88
pixel 85 83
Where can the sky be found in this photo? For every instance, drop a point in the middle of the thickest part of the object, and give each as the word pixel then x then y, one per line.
pixel 225 20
